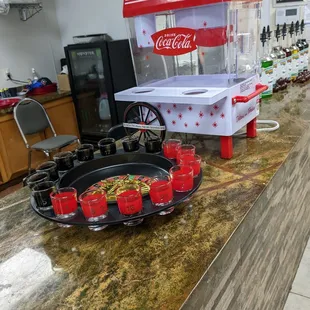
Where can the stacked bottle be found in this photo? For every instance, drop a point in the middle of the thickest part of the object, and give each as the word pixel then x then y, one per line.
pixel 288 54
pixel 5 93
pixel 295 53
pixel 266 66
pixel 274 58
pixel 287 61
pixel 303 46
pixel 281 82
pixel 306 47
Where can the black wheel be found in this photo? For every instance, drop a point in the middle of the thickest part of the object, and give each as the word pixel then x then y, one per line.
pixel 144 120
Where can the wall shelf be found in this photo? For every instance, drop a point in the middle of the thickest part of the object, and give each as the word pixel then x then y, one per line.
pixel 26 11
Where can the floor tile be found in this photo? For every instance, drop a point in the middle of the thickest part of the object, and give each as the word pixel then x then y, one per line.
pixel 297 302
pixel 301 284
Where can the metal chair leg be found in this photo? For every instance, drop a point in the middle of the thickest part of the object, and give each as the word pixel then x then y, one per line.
pixel 29 161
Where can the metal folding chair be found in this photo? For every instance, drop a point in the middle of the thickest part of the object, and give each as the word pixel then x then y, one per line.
pixel 31 118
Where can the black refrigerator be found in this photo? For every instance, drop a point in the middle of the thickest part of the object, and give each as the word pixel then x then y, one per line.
pixel 96 72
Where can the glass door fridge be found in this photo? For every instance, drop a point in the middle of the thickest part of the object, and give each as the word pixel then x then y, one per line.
pixel 97 71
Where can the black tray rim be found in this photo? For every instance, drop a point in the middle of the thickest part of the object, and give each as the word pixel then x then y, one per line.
pixel 105 222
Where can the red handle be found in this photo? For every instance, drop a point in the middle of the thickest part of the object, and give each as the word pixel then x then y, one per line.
pixel 259 89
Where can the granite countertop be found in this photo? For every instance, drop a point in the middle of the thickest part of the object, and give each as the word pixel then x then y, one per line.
pixel 51 96
pixel 42 99
pixel 157 264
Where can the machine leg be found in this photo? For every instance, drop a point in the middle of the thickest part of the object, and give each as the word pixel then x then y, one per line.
pixel 251 129
pixel 227 147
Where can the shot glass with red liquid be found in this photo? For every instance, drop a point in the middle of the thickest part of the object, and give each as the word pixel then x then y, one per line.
pixel 161 193
pixel 95 207
pixel 193 161
pixel 64 202
pixel 170 148
pixel 129 201
pixel 182 178
pixel 188 149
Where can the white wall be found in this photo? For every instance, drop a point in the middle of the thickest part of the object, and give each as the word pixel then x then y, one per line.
pixel 269 14
pixel 32 44
pixel 82 17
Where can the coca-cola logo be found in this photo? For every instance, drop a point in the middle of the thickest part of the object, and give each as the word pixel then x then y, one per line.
pixel 174 41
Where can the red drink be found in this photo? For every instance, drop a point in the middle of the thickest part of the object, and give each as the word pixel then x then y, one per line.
pixel 161 192
pixel 182 178
pixel 191 160
pixel 64 202
pixel 129 202
pixel 94 205
pixel 186 149
pixel 170 148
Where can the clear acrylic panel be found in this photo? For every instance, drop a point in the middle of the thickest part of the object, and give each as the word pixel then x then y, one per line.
pixel 225 43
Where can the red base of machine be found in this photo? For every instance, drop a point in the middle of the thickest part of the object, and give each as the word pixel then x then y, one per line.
pixel 251 129
pixel 227 149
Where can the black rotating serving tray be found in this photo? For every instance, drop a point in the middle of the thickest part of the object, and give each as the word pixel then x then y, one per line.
pixel 87 174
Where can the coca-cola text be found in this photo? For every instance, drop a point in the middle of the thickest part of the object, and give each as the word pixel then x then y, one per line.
pixel 174 41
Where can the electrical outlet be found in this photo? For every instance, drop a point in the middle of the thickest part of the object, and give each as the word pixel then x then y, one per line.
pixel 5 71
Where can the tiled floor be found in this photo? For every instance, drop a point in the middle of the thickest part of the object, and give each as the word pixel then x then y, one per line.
pixel 299 297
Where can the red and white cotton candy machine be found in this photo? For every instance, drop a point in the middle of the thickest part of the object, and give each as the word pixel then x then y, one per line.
pixel 196 64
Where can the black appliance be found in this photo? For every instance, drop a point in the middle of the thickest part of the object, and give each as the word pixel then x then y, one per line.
pixel 97 71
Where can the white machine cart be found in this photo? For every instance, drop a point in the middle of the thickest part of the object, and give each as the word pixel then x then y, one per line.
pixel 196 64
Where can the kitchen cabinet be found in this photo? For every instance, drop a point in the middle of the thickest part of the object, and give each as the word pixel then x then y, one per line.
pixel 14 154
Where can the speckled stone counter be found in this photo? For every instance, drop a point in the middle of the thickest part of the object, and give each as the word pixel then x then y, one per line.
pixel 238 242
pixel 51 96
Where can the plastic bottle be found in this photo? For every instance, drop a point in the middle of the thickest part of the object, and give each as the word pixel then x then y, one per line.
pixel 281 82
pixel 35 76
pixel 295 53
pixel 306 46
pixel 288 54
pixel 274 58
pixel 301 48
pixel 267 67
pixel 7 92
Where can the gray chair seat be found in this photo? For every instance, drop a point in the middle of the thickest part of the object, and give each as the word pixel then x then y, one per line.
pixel 31 118
pixel 54 142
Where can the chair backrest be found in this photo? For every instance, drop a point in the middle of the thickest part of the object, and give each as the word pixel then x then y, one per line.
pixel 31 117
